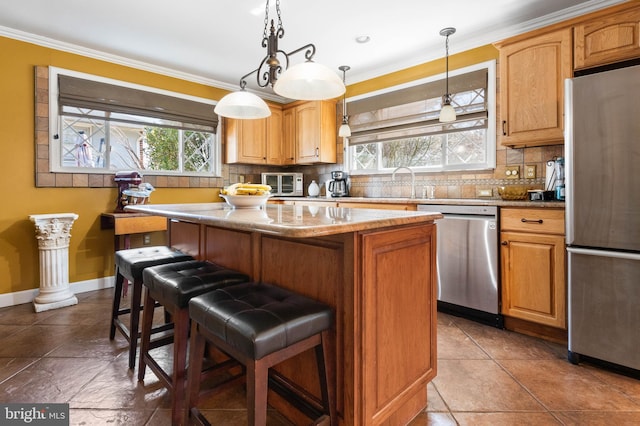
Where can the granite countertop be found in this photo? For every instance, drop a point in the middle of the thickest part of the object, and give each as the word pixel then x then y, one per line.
pixel 451 201
pixel 287 220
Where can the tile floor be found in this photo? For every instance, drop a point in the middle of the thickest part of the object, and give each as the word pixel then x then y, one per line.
pixel 485 376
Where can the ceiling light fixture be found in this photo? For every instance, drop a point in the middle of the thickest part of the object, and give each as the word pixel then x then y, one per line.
pixel 345 130
pixel 447 113
pixel 307 81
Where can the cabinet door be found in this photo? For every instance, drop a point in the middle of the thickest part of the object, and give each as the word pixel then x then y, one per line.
pixel 607 39
pixel 289 136
pixel 275 153
pixel 307 131
pixel 252 147
pixel 533 278
pixel 532 74
pixel 245 141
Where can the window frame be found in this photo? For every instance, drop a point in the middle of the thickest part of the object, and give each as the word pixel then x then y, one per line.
pixel 55 126
pixel 489 164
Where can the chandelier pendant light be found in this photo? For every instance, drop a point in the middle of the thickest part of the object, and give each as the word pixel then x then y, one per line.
pixel 447 113
pixel 307 81
pixel 345 130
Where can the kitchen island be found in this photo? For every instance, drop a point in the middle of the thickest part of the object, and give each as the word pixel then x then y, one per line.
pixel 376 268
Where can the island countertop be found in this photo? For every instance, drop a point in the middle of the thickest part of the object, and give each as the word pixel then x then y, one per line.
pixel 286 220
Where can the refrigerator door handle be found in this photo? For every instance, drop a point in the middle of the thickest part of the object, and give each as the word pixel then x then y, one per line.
pixel 604 253
pixel 568 163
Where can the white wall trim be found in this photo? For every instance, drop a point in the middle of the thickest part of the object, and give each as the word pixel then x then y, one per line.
pixel 127 62
pixel 27 296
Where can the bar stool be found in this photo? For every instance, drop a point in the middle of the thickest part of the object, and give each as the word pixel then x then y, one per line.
pixel 129 265
pixel 172 286
pixel 260 325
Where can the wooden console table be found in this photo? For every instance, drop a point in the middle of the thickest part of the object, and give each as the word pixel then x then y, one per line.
pixel 125 224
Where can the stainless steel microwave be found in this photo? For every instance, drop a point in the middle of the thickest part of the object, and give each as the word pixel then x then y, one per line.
pixel 284 184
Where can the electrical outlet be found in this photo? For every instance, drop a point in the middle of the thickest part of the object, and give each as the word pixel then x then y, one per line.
pixel 240 178
pixel 512 172
pixel 530 171
pixel 146 239
pixel 485 192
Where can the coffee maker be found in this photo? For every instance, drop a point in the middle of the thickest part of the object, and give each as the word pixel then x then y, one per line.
pixel 339 186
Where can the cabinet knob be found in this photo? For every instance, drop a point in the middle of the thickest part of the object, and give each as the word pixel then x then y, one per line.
pixel 505 243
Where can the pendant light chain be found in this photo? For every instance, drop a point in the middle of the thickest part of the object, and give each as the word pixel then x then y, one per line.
pixel 307 81
pixel 447 112
pixel 266 18
pixel 446 47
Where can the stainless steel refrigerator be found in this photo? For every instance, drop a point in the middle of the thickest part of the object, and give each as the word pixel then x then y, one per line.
pixel 602 150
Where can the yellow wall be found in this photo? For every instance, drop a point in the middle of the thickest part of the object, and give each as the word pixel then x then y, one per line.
pixel 91 249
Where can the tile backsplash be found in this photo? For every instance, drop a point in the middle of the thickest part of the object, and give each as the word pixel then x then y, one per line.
pixel 447 184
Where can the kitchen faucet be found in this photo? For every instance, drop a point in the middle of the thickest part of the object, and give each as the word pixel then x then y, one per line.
pixel 413 179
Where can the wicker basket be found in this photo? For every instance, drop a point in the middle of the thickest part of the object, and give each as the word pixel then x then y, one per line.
pixel 514 192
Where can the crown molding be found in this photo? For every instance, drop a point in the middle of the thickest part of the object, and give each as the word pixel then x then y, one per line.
pixel 128 62
pixel 482 38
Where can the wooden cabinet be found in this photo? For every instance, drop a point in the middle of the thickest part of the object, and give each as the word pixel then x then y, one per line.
pixel 255 141
pixel 532 74
pixel 274 147
pixel 288 136
pixel 311 128
pixel 609 38
pixel 533 265
pixel 382 284
pixel 303 133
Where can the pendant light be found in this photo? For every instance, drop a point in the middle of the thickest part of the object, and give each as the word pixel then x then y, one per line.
pixel 242 105
pixel 345 130
pixel 447 113
pixel 307 81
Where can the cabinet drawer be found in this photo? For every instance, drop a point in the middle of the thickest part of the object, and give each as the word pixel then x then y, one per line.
pixel 546 221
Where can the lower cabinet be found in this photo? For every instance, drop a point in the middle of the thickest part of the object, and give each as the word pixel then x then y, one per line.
pixel 533 265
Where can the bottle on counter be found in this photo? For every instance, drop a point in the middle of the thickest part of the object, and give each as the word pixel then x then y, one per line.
pixel 314 189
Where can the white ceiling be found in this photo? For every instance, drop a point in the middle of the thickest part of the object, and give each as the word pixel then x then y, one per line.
pixel 218 41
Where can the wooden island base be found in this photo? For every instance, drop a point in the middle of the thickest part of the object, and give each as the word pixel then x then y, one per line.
pixel 382 285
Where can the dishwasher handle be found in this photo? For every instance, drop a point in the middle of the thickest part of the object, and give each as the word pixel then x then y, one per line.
pixel 467 217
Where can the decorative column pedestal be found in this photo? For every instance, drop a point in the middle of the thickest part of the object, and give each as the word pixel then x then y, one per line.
pixel 53 232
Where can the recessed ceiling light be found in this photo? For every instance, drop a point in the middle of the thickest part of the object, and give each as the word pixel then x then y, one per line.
pixel 363 39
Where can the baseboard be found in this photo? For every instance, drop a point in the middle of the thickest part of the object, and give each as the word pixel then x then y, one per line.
pixel 27 296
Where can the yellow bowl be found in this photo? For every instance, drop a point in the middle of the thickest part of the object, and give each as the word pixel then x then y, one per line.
pixel 513 192
pixel 246 201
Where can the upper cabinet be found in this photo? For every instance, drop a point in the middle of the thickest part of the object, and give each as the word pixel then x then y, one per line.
pixel 302 133
pixel 312 126
pixel 533 68
pixel 532 73
pixel 249 141
pixel 608 38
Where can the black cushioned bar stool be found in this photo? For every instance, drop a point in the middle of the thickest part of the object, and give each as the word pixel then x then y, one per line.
pixel 129 265
pixel 260 325
pixel 172 286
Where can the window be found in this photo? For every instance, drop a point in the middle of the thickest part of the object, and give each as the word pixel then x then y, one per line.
pixel 400 127
pixel 102 126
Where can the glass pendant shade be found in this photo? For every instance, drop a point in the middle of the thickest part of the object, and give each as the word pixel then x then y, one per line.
pixel 242 105
pixel 344 131
pixel 447 113
pixel 309 81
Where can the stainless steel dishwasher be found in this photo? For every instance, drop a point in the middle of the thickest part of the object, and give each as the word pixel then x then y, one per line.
pixel 467 261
